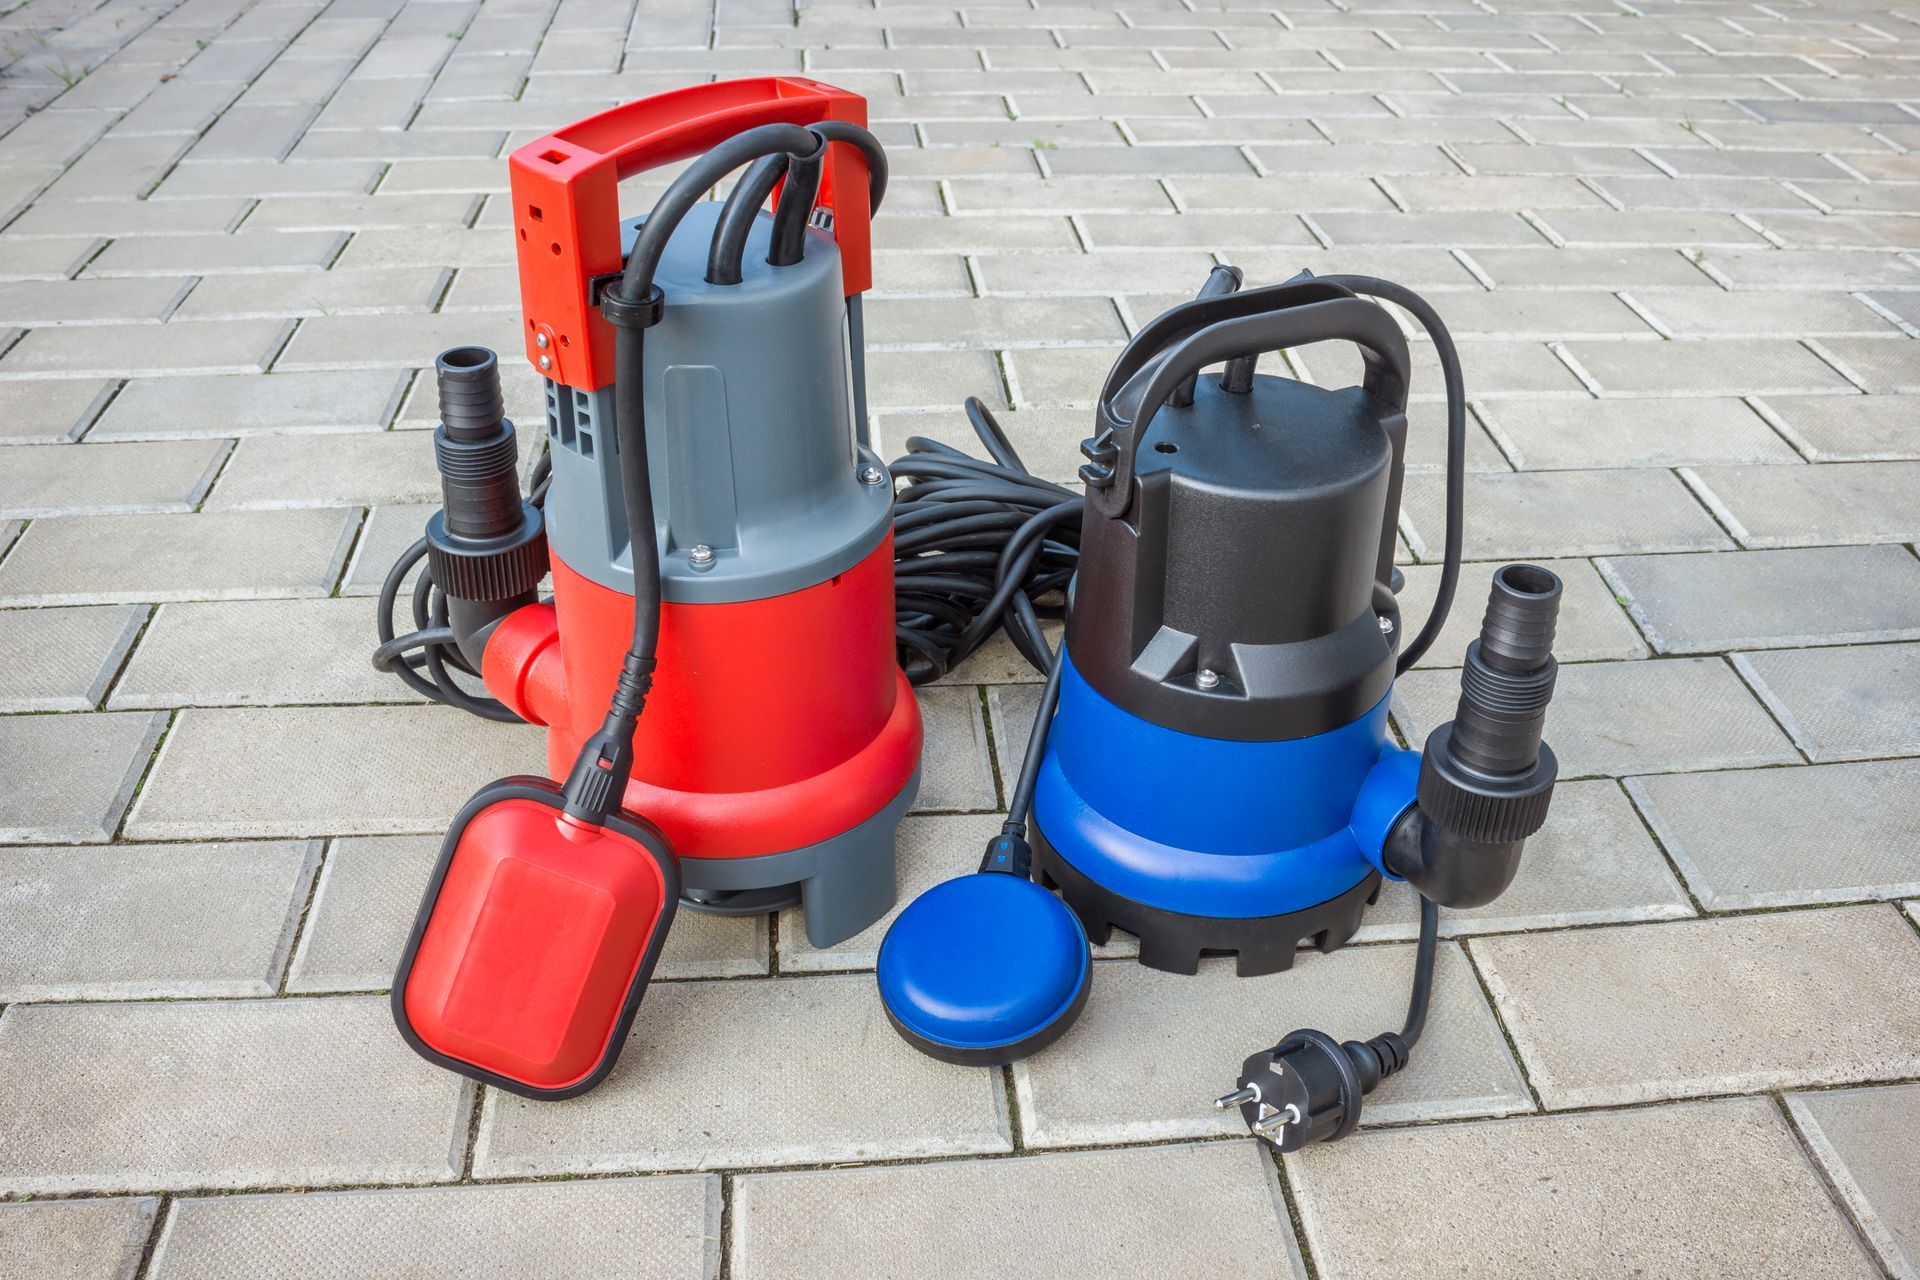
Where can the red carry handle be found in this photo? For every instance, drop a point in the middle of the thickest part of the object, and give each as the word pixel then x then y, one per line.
pixel 566 212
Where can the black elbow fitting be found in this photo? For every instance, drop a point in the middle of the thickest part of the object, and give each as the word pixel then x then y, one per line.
pixel 486 546
pixel 1486 778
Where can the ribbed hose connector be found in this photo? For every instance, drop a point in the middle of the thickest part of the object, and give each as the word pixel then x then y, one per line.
pixel 486 544
pixel 1486 775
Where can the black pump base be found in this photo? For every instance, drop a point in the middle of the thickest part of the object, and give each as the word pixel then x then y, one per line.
pixel 1174 942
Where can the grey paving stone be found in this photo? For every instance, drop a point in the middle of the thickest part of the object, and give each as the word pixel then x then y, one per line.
pixel 244 772
pixel 63 659
pixel 648 1228
pixel 955 773
pixel 34 303
pixel 1729 1005
pixel 1712 602
pixel 153 408
pixel 1842 703
pixel 223 555
pixel 1809 268
pixel 1613 718
pixel 1562 513
pixel 1546 314
pixel 214 255
pixel 369 342
pixel 257 653
pixel 65 480
pixel 388 532
pixel 316 293
pixel 1790 837
pixel 1860 1137
pixel 1882 366
pixel 1179 1212
pixel 257 1093
pixel 369 890
pixel 83 773
pixel 131 351
pixel 996 322
pixel 663 1107
pixel 1849 428
pixel 362 468
pixel 1610 268
pixel 145 922
pixel 254 178
pixel 1666 1192
pixel 1696 313
pixel 1593 863
pixel 1592 625
pixel 1561 434
pixel 1746 366
pixel 83 1239
pixel 50 411
pixel 1786 506
pixel 1178 1041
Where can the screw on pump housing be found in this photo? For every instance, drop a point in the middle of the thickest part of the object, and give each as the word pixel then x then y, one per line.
pixel 487 546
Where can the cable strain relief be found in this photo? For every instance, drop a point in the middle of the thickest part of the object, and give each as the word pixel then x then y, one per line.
pixel 617 310
pixel 1392 1051
pixel 1009 853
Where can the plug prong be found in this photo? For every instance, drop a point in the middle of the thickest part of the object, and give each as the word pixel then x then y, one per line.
pixel 1277 1121
pixel 1238 1098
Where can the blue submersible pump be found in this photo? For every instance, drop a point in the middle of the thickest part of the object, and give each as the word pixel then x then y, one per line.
pixel 1211 768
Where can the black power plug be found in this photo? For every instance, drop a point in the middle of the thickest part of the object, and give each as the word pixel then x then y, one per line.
pixel 1309 1087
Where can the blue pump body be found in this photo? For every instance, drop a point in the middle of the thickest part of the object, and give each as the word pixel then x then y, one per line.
pixel 1218 827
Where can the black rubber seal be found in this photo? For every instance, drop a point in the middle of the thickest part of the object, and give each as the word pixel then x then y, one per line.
pixel 1173 941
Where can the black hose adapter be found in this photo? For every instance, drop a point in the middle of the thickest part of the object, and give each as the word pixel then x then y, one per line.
pixel 1486 778
pixel 486 545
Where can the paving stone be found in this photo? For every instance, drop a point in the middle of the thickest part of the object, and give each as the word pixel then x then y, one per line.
pixel 996 322
pixel 131 351
pixel 256 179
pixel 1069 273
pixel 83 1239
pixel 1738 367
pixel 1613 718
pixel 1592 625
pixel 56 259
pixel 664 1108
pixel 151 408
pixel 1674 1191
pixel 1789 837
pixel 1696 313
pixel 1553 434
pixel 1809 268
pixel 1881 365
pixel 369 891
pixel 331 470
pixel 1542 314
pixel 1563 513
pixel 49 411
pixel 648 1228
pixel 366 341
pixel 1785 506
pixel 380 291
pixel 1849 428
pixel 1177 1040
pixel 257 1093
pixel 1179 1212
pixel 1859 1136
pixel 65 480
pixel 389 531
pixel 246 772
pixel 212 255
pixel 1842 703
pixel 1610 268
pixel 85 768
pixel 1639 1012
pixel 236 555
pixel 145 922
pixel 257 652
pixel 955 773
pixel 1593 863
pixel 63 659
pixel 89 302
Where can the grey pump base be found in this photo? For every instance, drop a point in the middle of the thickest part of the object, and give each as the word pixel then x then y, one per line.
pixel 845 882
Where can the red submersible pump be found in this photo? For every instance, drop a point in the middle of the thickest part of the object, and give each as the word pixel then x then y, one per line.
pixel 719 539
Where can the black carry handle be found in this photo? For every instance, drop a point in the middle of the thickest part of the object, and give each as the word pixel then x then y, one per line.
pixel 1176 346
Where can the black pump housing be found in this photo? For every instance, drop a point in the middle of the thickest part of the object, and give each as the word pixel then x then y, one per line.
pixel 1220 603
